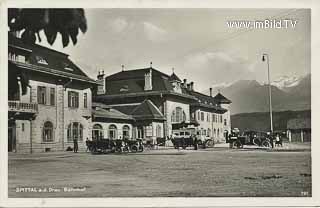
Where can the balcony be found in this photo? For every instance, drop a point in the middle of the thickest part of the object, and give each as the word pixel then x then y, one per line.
pixel 17 106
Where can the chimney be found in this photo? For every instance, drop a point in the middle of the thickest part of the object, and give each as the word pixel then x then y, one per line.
pixel 185 83
pixel 100 75
pixel 210 89
pixel 148 80
pixel 191 86
pixel 101 83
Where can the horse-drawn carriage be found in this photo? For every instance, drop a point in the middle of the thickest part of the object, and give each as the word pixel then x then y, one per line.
pixel 111 146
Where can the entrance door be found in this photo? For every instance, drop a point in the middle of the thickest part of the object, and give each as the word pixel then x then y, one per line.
pixel 11 138
pixel 140 132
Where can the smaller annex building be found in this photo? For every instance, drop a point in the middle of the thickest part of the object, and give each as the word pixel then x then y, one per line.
pixel 299 130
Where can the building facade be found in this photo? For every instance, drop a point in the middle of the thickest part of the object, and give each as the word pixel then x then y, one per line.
pixel 49 99
pixel 168 104
pixel 50 103
pixel 299 130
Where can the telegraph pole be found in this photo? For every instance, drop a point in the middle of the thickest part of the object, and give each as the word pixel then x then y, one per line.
pixel 264 57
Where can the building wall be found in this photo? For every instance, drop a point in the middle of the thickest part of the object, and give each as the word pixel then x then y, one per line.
pixel 170 106
pixel 214 126
pixel 58 114
pixel 106 125
pixel 77 115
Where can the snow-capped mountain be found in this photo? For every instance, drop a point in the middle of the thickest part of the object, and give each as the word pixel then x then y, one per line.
pixel 288 93
pixel 284 82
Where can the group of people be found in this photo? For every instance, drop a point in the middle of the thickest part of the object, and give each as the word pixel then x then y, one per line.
pixel 275 141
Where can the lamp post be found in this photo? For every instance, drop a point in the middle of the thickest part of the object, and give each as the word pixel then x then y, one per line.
pixel 264 57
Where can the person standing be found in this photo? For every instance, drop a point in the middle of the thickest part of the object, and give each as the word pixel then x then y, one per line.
pixel 195 142
pixel 75 145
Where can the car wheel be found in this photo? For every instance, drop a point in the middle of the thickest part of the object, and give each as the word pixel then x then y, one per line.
pixel 134 148
pixel 266 144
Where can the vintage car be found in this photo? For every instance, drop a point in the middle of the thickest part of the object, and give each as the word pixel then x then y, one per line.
pixel 237 139
pixel 190 137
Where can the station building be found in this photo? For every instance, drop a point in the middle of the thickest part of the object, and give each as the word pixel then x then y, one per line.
pixel 49 99
pixel 51 102
pixel 161 103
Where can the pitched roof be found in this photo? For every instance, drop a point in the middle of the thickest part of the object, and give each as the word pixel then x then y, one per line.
pixel 147 110
pixel 299 123
pixel 222 99
pixel 174 77
pixel 110 114
pixel 133 81
pixel 126 109
pixel 206 99
pixel 47 60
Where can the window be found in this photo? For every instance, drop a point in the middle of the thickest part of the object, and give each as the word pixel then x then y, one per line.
pixel 67 67
pixel 208 117
pixel 112 132
pixel 214 133
pixel 125 132
pixel 75 131
pixel 220 118
pixel 124 88
pixel 198 115
pixel 16 57
pixel 209 132
pixel 42 95
pixel 97 132
pixel 213 117
pixel 225 122
pixel 140 132
pixel 52 96
pixel 73 99
pixel 41 60
pixel 178 115
pixel 22 126
pixel 202 116
pixel 85 100
pixel 193 115
pixel 47 135
pixel 218 133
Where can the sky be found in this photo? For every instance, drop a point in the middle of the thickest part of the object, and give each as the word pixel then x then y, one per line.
pixel 197 43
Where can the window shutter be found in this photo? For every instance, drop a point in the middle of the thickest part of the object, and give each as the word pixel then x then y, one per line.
pixel 38 94
pixel 77 100
pixel 45 95
pixel 69 99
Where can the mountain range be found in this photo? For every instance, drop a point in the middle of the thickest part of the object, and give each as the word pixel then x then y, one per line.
pixel 288 93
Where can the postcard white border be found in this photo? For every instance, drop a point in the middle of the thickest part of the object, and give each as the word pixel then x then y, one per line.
pixel 171 201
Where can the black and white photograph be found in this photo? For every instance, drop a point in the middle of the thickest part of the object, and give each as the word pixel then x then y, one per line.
pixel 146 102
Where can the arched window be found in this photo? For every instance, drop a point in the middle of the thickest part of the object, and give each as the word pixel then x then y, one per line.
pixel 47 132
pixel 178 115
pixel 125 132
pixel 158 131
pixel 97 132
pixel 75 131
pixel 112 132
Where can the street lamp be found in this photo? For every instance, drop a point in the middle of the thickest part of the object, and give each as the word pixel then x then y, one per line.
pixel 264 58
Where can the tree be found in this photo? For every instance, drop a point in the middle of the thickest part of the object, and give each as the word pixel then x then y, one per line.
pixel 30 22
pixel 67 22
